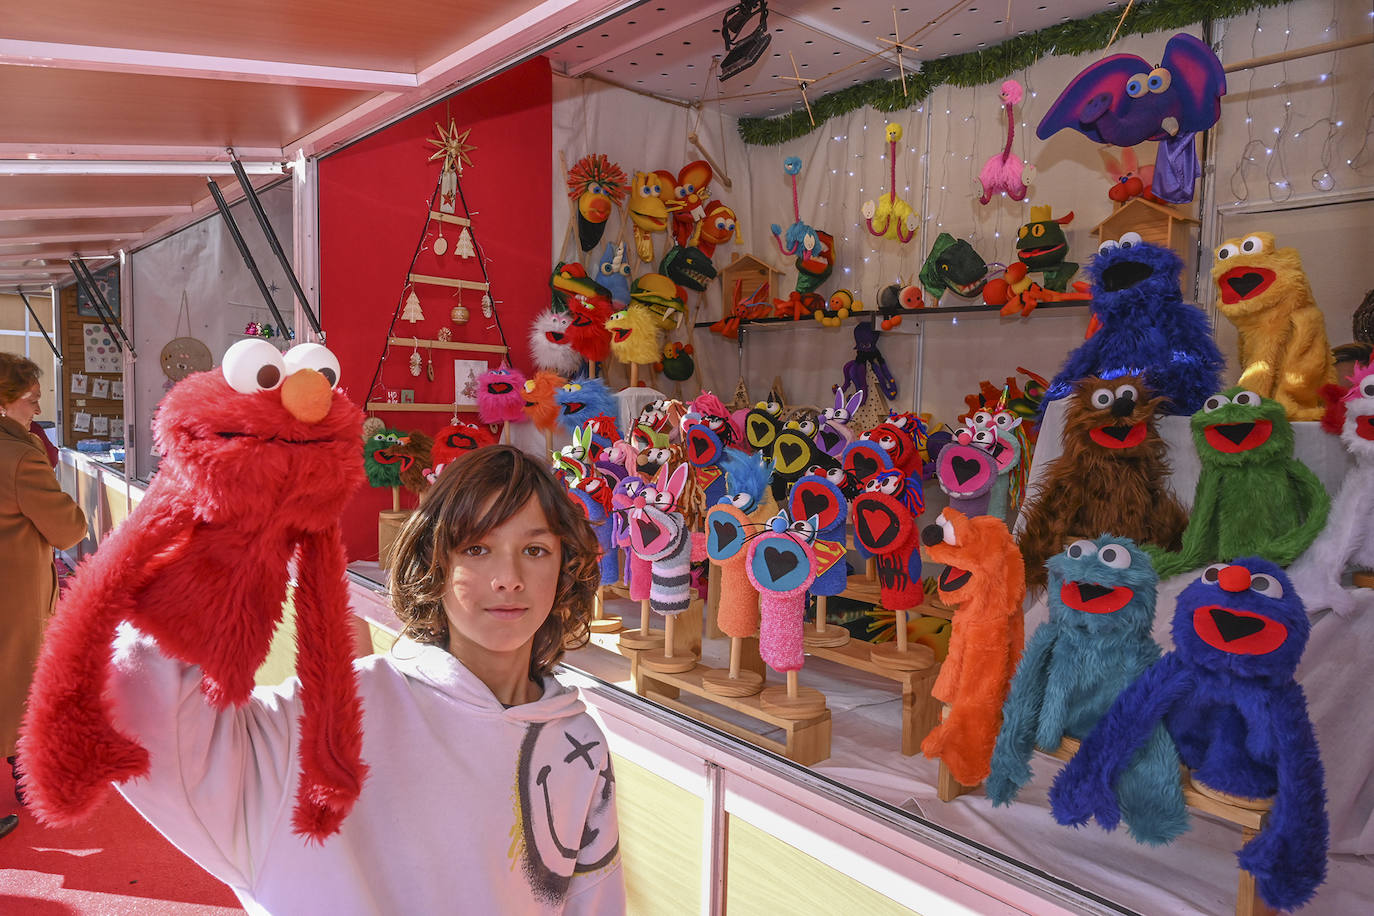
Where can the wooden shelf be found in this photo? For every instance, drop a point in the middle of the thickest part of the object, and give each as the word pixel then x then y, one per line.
pixel 448 281
pixel 450 218
pixel 917 315
pixel 423 408
pixel 447 345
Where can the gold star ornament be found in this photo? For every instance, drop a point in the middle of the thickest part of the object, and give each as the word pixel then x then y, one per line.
pixel 453 147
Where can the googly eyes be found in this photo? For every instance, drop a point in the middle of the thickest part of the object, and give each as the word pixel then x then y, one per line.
pixel 1115 556
pixel 632 487
pixel 1215 403
pixel 657 455
pixel 889 485
pixel 1246 399
pixel 253 365
pixel 1107 245
pixel 1127 391
pixel 807 427
pixel 887 442
pixel 663 500
pixel 1252 244
pixel 835 476
pixel 984 435
pixel 1138 85
pixel 1080 549
pixel 1102 398
pixel 1129 239
pixel 606 271
pixel 1212 573
pixel 1158 80
pixel 572 387
pixel 1367 388
pixel 982 418
pixel 1006 420
pixel 946 528
pixel 1229 250
pixel 773 407
pixel 829 413
pixel 804 529
pixel 1267 586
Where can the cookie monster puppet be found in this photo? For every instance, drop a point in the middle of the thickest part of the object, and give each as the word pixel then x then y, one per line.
pixel 1144 326
pixel 259 459
pixel 1228 697
pixel 1096 642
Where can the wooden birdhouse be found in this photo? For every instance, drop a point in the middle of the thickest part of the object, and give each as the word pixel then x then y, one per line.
pixel 1157 224
pixel 743 280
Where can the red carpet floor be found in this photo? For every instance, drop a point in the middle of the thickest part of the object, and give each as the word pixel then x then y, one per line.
pixel 114 864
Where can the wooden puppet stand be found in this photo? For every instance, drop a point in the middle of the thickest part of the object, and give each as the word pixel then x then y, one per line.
pixel 600 622
pixel 642 639
pixel 820 634
pixel 744 677
pixel 389 522
pixel 677 653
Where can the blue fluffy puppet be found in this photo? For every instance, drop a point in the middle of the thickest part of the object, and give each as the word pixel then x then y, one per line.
pixel 1097 640
pixel 581 400
pixel 1144 326
pixel 1229 699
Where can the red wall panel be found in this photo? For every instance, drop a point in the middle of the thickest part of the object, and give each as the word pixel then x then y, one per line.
pixel 373 200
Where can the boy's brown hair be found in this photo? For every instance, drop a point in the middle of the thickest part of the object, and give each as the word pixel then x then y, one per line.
pixel 475 494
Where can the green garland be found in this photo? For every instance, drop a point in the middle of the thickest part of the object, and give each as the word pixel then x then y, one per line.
pixel 978 68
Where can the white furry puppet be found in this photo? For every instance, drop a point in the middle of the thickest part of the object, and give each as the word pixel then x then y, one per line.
pixel 1346 540
pixel 549 344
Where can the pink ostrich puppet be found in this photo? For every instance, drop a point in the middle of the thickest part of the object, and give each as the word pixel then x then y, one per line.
pixel 1002 173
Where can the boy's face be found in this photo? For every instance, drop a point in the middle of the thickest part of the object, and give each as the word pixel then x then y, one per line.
pixel 501 590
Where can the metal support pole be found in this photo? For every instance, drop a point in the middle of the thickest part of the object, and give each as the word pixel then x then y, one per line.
pixel 98 304
pixel 248 257
pixel 51 346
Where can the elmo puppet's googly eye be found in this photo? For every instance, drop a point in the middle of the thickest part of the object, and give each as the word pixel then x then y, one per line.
pixel 1115 556
pixel 313 356
pixel 1212 573
pixel 1246 399
pixel 1229 250
pixel 1252 244
pixel 1216 402
pixel 1267 586
pixel 250 366
pixel 1107 245
pixel 1129 240
pixel 1080 549
pixel 1102 398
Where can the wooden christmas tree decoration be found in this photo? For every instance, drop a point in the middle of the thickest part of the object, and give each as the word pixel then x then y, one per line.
pixel 412 311
pixel 464 248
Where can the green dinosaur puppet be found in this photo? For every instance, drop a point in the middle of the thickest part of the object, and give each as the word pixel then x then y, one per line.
pixel 1253 497
pixel 953 265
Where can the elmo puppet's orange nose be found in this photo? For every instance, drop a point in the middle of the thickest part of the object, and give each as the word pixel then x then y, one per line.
pixel 307 394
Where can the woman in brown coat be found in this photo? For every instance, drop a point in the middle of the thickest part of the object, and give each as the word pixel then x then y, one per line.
pixel 35 517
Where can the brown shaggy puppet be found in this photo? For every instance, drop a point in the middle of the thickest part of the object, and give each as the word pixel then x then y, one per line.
pixel 983 581
pixel 1109 479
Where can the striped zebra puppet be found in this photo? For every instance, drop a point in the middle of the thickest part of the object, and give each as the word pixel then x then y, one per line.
pixel 659 534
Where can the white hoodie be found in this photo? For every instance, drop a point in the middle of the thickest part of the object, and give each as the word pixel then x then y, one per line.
pixel 468 807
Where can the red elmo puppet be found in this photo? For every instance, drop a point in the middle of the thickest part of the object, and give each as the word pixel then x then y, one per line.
pixel 258 462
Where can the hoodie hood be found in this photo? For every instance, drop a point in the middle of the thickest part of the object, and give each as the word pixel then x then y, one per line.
pixel 434 668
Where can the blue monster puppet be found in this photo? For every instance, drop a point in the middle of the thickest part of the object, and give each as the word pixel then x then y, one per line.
pixel 1145 328
pixel 1228 697
pixel 1097 640
pixel 581 400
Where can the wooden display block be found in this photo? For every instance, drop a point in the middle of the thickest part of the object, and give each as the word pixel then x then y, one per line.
pixel 389 524
pixel 807 740
pixel 920 711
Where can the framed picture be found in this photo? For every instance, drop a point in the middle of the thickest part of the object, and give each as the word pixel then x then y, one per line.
pixel 407 395
pixel 107 281
pixel 465 372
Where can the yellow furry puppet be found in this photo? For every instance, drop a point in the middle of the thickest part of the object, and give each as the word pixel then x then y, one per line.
pixel 1284 354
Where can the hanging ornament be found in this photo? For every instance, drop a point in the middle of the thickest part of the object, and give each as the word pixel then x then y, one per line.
pixel 413 312
pixel 464 248
pixel 267 332
pixel 487 307
pixel 441 243
pixel 429 364
pixel 444 335
pixel 459 314
pixel 415 360
pixel 251 329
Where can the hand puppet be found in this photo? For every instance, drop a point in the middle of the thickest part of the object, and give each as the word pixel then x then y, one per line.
pixel 816 496
pixel 688 267
pixel 258 461
pixel 798 305
pixel 794 453
pixel 638 573
pixel 704 450
pixel 815 268
pixel 835 432
pixel 1253 497
pixel 746 480
pixel 953 265
pixel 692 190
pixel 885 528
pixel 635 336
pixel 1123 100
pixel 1129 179
pixel 762 424
pixel 1096 642
pixel 1002 174
pixel 577 456
pixel 716 415
pixel 582 400
pixel 587 332
pixel 593 493
pixel 569 280
pixel 891 217
pixel 648 212
pixel 1228 697
pixel 596 185
pixel 549 345
pixel 659 534
pixel 841 304
pixel 983 581
pixel 866 357
pixel 863 460
pixel 1000 432
pixel 728 529
pixel 897 438
pixel 967 472
pixel 896 298
pixel 676 364
pixel 1284 352
pixel 501 396
pixel 415 454
pixel 662 297
pixel 1042 247
pixel 1346 540
pixel 383 458
pixel 782 563
pixel 1110 477
pixel 540 405
pixel 800 238
pixel 453 440
pixel 613 273
pixel 719 227
pixel 1146 327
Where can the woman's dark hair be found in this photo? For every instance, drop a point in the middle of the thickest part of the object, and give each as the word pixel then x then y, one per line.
pixel 474 495
pixel 17 375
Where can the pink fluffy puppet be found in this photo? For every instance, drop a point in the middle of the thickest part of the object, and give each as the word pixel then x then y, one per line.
pixel 1002 174
pixel 501 396
pixel 258 461
pixel 1346 540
